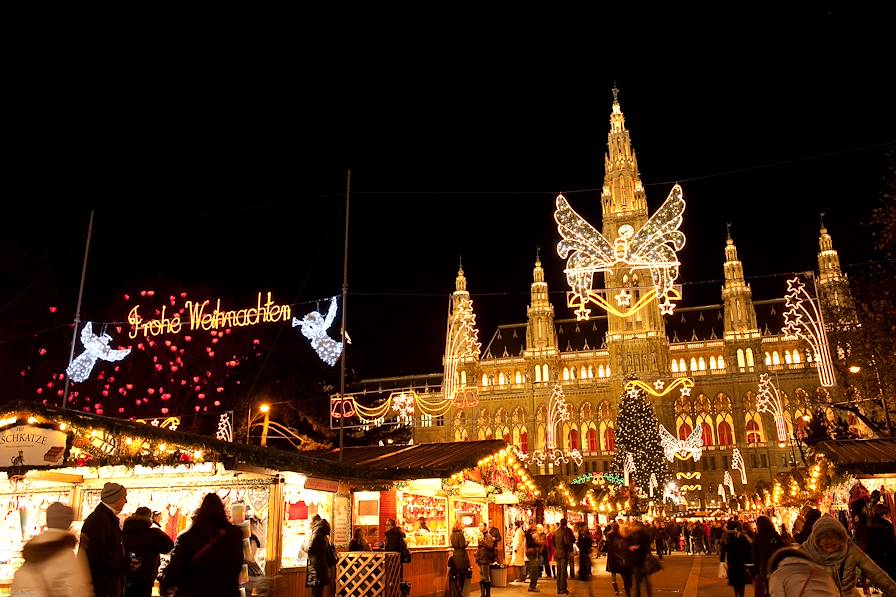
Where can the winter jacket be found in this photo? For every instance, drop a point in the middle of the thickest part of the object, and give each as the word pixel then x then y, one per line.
pixel 395 540
pixel 736 551
pixel 764 545
pixel 792 574
pixel 564 539
pixel 206 561
pixel 881 544
pixel 146 542
pixel 641 541
pixel 615 552
pixel 101 541
pixel 318 572
pixel 51 555
pixel 485 552
pixel 459 559
pixel 518 557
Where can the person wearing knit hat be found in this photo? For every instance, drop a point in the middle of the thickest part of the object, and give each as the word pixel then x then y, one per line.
pixel 101 540
pixel 829 546
pixel 50 560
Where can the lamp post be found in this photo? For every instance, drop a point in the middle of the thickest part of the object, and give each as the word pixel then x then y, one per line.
pixel 856 370
pixel 264 410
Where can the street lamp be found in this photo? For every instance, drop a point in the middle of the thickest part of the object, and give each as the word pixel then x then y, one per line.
pixel 855 370
pixel 263 411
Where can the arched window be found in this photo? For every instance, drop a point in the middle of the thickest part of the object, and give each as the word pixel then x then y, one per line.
pixel 707 434
pixel 712 363
pixel 501 378
pixel 754 434
pixel 484 380
pixel 573 439
pixel 537 374
pixel 524 442
pixel 681 366
pixel 608 371
pixel 600 371
pixel 740 358
pixel 609 439
pixel 566 374
pixel 518 377
pixel 768 359
pixel 701 364
pixel 590 372
pixel 787 357
pixel 674 366
pixel 721 362
pixel 507 438
pixel 572 373
pixel 750 357
pixel 725 434
pixel 776 358
pixel 544 373
pixel 693 364
pixel 592 440
pixel 796 356
pixel 684 431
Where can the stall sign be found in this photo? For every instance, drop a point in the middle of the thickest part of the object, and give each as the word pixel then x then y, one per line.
pixel 342 508
pixel 321 484
pixel 25 445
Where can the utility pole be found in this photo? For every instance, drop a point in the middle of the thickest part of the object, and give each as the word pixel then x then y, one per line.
pixel 348 188
pixel 71 355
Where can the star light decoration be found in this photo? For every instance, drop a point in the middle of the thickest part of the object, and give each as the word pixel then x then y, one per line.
pixel 461 343
pixel 803 319
pixel 727 480
pixel 558 411
pixel 653 247
pixel 314 326
pixel 769 400
pixel 692 447
pixel 737 464
pixel 225 427
pixel 660 388
pixel 95 348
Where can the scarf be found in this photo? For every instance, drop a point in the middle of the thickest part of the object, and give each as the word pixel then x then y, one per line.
pixel 826 524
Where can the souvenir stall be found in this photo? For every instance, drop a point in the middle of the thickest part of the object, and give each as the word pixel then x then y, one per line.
pixel 67 456
pixel 428 489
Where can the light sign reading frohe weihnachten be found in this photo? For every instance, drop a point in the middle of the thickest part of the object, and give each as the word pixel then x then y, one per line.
pixel 202 317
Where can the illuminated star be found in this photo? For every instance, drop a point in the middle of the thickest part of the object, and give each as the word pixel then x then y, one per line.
pixel 658 385
pixel 624 298
pixel 666 307
pixel 685 391
pixel 633 392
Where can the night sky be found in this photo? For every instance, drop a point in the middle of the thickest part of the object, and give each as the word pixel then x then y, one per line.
pixel 221 182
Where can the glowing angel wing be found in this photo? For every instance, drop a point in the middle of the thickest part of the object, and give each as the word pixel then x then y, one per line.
pixel 87 334
pixel 694 443
pixel 655 244
pixel 112 355
pixel 669 442
pixel 586 248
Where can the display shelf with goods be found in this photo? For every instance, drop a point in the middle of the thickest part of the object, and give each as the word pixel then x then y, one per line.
pixel 424 518
pixel 366 515
pixel 470 515
pixel 301 504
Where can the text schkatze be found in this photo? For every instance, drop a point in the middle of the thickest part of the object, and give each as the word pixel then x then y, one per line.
pixel 202 317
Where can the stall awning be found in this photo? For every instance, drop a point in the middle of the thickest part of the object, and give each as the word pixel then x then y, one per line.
pixel 414 461
pixel 861 456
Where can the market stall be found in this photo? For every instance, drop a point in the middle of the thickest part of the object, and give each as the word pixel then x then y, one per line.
pixel 67 456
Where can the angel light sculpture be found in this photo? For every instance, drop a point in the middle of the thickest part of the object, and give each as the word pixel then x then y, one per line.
pixel 95 348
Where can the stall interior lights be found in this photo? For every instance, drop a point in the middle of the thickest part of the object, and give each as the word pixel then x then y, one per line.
pixel 8 421
pixel 507 459
pixel 803 319
pixel 564 491
pixel 652 247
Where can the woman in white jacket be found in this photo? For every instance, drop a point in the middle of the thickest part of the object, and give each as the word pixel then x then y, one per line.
pixel 51 568
pixel 518 551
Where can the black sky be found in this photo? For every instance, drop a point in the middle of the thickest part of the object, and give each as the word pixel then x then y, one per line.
pixel 228 179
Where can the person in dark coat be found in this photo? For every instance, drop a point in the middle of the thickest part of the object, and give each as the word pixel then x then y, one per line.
pixel 146 542
pixel 208 557
pixel 881 546
pixel 358 542
pixel 637 548
pixel 485 555
pixel 616 558
pixel 766 542
pixel 458 564
pixel 101 541
pixel 394 537
pixel 811 517
pixel 320 559
pixel 584 543
pixel 735 551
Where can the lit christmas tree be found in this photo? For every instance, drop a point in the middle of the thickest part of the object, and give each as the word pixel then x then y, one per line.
pixel 637 433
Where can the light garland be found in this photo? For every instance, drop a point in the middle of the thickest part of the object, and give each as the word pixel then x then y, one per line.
pixel 768 400
pixel 314 327
pixel 558 411
pixel 659 388
pixel 727 480
pixel 692 447
pixel 225 427
pixel 737 464
pixel 95 348
pixel 803 319
pixel 653 247
pixel 461 342
pixel 171 423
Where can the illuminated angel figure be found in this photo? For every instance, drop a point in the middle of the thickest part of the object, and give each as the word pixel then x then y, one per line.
pixel 672 446
pixel 652 247
pixel 95 347
pixel 314 327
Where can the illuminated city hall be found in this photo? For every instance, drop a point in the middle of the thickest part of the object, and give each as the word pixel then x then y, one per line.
pixel 703 364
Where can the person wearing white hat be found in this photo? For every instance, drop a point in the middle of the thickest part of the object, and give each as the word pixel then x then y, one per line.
pixel 51 567
pixel 101 540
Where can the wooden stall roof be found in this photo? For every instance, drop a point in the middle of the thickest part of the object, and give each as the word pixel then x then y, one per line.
pixel 414 461
pixel 229 453
pixel 861 456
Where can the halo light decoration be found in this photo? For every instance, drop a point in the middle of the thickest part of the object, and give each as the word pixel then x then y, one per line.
pixel 769 400
pixel 737 464
pixel 461 342
pixel 727 480
pixel 95 348
pixel 558 411
pixel 314 326
pixel 659 387
pixel 652 247
pixel 673 448
pixel 803 319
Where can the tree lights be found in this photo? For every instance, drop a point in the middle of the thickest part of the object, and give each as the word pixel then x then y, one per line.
pixel 652 247
pixel 803 319
pixel 637 434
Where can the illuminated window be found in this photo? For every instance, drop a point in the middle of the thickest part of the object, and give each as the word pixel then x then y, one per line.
pixel 725 434
pixel 537 374
pixel 754 433
pixel 484 380
pixel 425 420
pixel 518 377
pixel 590 372
pixel 776 358
pixel 501 378
pixel 592 440
pixel 684 431
pixel 787 357
pixel 674 366
pixel 608 371
pixel 573 439
pixel 750 357
pixel 701 364
pixel 740 358
pixel 693 364
pixel 768 359
pixel 721 362
pixel 463 378
pixel 600 371
pixel 712 362
pixel 566 374
pixel 681 366
pixel 707 434
pixel 609 439
pixel 796 356
pixel 544 373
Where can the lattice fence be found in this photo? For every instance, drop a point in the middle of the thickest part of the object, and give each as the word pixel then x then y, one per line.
pixel 368 574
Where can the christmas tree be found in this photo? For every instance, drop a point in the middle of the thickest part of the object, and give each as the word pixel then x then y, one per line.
pixel 637 433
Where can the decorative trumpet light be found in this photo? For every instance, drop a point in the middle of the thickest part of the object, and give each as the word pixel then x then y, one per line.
pixel 461 342
pixel 653 247
pixel 727 480
pixel 769 400
pixel 737 464
pixel 558 411
pixel 803 319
